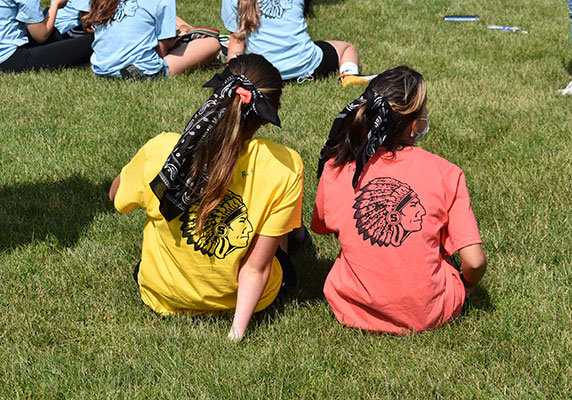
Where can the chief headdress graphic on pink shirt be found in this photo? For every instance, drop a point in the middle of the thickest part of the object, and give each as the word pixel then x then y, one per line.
pixel 387 212
pixel 227 228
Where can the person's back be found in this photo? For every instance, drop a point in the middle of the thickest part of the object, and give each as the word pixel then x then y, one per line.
pixel 182 273
pixel 132 35
pixel 68 19
pixel 218 202
pixel 390 265
pixel 139 39
pixel 396 210
pixel 277 30
pixel 281 37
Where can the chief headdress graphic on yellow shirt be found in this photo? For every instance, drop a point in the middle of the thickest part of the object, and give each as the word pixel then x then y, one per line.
pixel 227 228
pixel 387 212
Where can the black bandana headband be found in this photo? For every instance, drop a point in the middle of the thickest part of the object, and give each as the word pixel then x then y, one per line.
pixel 378 110
pixel 171 186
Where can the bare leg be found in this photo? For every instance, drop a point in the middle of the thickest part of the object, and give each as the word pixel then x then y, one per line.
pixel 347 52
pixel 348 60
pixel 194 54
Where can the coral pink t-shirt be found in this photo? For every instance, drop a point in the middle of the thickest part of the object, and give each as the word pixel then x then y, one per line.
pixel 390 275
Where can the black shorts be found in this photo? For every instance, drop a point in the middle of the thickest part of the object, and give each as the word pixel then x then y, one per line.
pixel 288 271
pixel 330 61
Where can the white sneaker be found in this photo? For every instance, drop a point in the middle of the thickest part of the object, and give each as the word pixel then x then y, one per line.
pixel 308 76
pixel 567 90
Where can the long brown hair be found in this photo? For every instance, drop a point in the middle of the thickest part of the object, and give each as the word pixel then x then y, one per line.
pixel 101 12
pixel 248 17
pixel 221 147
pixel 405 91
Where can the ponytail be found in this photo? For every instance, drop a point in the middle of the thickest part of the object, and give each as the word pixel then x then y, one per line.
pixel 378 118
pixel 219 153
pixel 248 17
pixel 101 12
pixel 201 166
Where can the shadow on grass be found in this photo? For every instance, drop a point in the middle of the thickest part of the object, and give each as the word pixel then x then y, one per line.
pixel 311 274
pixel 480 300
pixel 40 210
pixel 569 67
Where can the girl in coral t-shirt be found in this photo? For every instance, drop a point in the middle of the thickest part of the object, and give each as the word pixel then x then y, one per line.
pixel 398 212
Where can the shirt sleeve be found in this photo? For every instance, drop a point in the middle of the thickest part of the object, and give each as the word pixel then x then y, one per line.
pixel 319 214
pixel 81 5
pixel 228 14
pixel 131 191
pixel 166 19
pixel 29 12
pixel 286 212
pixel 461 229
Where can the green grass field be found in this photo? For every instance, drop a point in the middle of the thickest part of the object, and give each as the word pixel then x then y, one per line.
pixel 73 326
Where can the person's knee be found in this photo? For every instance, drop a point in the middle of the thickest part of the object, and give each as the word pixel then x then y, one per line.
pixel 350 49
pixel 212 44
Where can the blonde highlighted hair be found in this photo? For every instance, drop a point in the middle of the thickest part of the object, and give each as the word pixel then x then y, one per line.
pixel 247 18
pixel 405 91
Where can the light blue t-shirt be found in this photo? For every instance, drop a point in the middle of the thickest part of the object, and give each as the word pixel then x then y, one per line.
pixel 14 15
pixel 281 36
pixel 132 36
pixel 69 17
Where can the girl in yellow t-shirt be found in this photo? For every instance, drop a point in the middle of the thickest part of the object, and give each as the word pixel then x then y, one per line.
pixel 219 203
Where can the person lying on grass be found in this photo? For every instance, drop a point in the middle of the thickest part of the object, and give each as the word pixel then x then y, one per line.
pixel 219 203
pixel 398 212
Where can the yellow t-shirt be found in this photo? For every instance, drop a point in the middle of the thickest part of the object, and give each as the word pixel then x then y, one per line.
pixel 181 272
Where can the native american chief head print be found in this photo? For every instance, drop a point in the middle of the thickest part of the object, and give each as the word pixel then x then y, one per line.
pixel 227 228
pixel 387 212
pixel 274 8
pixel 125 8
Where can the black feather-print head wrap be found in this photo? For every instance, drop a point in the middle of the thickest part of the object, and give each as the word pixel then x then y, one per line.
pixel 175 191
pixel 378 110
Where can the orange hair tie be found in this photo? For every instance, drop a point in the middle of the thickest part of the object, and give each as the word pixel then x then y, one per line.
pixel 244 94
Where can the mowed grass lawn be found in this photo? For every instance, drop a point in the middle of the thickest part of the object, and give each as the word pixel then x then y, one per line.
pixel 72 324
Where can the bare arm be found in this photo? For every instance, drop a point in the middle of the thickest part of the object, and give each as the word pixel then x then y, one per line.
pixel 163 47
pixel 183 27
pixel 114 187
pixel 167 44
pixel 473 265
pixel 41 31
pixel 252 279
pixel 236 46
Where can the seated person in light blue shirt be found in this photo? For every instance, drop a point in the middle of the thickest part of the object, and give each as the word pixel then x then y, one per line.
pixel 141 35
pixel 277 30
pixel 68 20
pixel 28 40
